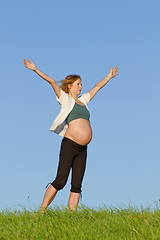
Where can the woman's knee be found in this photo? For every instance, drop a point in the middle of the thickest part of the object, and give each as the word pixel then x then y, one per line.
pixel 58 185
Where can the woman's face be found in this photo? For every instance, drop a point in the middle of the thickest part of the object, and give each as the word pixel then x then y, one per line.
pixel 75 87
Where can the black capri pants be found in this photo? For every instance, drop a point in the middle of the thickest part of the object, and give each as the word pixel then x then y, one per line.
pixel 72 155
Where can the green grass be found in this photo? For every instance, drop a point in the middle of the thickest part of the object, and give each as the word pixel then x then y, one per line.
pixel 86 223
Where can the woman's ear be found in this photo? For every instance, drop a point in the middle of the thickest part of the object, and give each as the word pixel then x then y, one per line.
pixel 69 86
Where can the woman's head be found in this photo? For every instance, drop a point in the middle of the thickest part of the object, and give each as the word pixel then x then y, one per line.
pixel 71 82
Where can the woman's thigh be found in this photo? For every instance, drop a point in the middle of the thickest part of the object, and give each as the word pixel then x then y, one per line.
pixel 66 156
pixel 78 170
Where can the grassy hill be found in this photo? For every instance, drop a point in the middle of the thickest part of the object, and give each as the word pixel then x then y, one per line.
pixel 103 223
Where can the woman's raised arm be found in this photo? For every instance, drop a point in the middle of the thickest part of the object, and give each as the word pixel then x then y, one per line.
pixel 53 83
pixel 103 82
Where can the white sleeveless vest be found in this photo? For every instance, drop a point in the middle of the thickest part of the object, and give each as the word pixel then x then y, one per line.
pixel 59 126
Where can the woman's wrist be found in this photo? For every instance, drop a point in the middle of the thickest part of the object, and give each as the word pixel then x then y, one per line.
pixel 109 76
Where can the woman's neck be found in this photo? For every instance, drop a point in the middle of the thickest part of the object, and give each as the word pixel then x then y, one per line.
pixel 73 96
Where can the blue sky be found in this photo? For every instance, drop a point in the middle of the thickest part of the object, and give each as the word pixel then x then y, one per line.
pixel 85 38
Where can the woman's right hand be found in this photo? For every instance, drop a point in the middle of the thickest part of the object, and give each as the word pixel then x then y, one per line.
pixel 30 65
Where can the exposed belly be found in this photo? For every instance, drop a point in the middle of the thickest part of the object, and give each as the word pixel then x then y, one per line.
pixel 79 130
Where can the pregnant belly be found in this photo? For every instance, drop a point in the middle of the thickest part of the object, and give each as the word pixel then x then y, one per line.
pixel 79 130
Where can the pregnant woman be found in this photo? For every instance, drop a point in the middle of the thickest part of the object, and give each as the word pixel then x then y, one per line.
pixel 73 124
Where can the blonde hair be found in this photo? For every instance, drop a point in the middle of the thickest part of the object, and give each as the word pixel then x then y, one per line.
pixel 68 80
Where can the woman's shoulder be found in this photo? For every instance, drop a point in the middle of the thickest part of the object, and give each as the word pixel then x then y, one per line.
pixel 64 97
pixel 85 98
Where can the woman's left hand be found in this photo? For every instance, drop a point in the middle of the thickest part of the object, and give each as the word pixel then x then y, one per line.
pixel 113 72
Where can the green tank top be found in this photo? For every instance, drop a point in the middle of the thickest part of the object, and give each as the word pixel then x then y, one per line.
pixel 78 111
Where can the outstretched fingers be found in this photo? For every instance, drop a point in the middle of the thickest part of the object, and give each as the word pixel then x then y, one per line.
pixel 25 62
